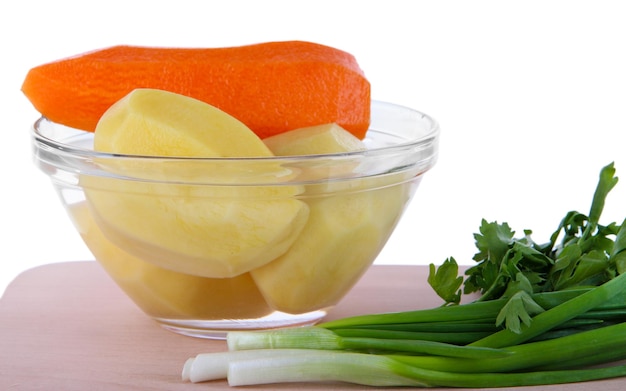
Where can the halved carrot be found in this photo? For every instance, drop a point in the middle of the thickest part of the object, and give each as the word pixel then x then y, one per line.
pixel 271 87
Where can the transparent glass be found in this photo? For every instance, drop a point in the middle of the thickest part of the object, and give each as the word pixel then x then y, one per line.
pixel 206 246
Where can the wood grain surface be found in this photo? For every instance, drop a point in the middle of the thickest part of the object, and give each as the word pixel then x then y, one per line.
pixel 67 326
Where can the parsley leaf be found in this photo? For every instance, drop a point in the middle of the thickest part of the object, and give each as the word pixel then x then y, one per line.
pixel 520 307
pixel 445 282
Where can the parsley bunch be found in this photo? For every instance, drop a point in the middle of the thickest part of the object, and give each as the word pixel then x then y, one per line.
pixel 581 253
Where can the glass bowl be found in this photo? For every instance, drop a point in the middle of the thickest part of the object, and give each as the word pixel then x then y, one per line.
pixel 210 245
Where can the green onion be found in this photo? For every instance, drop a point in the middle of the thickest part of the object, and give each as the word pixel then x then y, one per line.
pixel 320 338
pixel 460 338
pixel 553 317
pixel 525 364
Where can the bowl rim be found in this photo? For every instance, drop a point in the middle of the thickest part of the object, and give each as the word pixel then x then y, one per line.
pixel 430 136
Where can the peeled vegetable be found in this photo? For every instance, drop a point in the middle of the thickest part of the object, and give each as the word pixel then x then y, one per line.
pixel 314 140
pixel 271 87
pixel 347 227
pixel 166 294
pixel 161 123
pixel 188 228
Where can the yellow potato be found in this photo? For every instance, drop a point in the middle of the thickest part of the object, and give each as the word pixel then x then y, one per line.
pixel 349 223
pixel 165 294
pixel 184 225
pixel 314 140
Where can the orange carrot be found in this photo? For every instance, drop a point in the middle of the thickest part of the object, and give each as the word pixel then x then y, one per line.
pixel 271 87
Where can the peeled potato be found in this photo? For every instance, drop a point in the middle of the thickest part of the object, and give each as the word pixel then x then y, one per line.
pixel 314 140
pixel 184 225
pixel 349 223
pixel 166 294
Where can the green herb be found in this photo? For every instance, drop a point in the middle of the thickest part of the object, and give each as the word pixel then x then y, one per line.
pixel 293 355
pixel 580 253
pixel 547 313
pixel 446 282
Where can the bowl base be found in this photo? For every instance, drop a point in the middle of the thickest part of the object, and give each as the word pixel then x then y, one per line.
pixel 217 329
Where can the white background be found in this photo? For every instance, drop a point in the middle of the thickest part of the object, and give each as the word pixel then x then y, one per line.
pixel 530 96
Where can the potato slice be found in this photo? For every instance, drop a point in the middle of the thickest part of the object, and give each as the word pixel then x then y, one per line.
pixel 166 294
pixel 314 140
pixel 185 225
pixel 348 225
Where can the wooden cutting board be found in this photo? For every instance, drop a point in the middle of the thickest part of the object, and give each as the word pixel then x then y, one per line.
pixel 66 327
